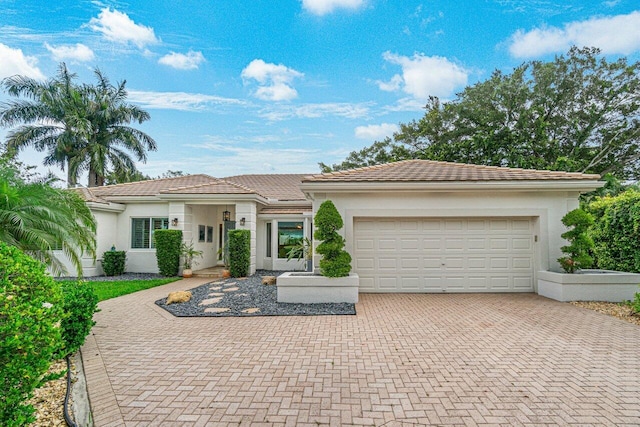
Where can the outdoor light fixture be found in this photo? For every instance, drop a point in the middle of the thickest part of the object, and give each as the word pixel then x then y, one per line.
pixel 226 216
pixel 174 222
pixel 242 221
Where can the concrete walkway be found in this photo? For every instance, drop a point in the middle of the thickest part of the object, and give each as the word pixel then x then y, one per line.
pixel 403 360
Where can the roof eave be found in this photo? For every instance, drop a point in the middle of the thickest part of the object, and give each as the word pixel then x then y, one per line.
pixel 582 185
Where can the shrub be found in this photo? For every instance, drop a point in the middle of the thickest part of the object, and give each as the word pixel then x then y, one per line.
pixel 580 243
pixel 635 304
pixel 113 262
pixel 79 303
pixel 239 252
pixel 335 262
pixel 168 244
pixel 616 231
pixel 30 312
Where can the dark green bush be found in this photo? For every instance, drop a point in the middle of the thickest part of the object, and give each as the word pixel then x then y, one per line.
pixel 79 304
pixel 580 243
pixel 30 312
pixel 335 262
pixel 616 231
pixel 239 252
pixel 113 262
pixel 635 304
pixel 168 251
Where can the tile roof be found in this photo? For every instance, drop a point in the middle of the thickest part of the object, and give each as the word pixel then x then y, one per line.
pixel 272 186
pixel 151 187
pixel 217 187
pixel 429 170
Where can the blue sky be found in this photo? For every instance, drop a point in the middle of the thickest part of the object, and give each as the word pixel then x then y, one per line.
pixel 267 86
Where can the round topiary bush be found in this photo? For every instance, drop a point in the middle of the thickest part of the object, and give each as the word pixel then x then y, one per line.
pixel 335 262
pixel 30 316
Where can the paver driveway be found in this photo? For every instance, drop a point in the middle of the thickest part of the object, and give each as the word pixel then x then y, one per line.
pixel 404 359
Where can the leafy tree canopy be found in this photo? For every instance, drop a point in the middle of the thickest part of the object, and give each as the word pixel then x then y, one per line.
pixel 577 113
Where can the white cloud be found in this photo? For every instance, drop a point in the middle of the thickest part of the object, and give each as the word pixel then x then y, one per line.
pixel 323 7
pixel 376 131
pixel 180 101
pixel 14 61
pixel 77 52
pixel 274 81
pixel 423 76
pixel 118 27
pixel 613 34
pixel 189 61
pixel 314 111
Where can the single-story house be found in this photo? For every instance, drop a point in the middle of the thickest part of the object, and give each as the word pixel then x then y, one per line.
pixel 410 226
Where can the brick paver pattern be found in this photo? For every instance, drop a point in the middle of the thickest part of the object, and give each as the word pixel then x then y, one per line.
pixel 404 359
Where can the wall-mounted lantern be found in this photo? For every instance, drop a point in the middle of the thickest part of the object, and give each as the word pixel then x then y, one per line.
pixel 174 222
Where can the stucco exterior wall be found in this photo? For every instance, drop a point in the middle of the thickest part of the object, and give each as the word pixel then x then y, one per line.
pixel 106 236
pixel 546 209
pixel 208 217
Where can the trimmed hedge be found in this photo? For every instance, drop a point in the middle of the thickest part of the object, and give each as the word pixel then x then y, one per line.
pixel 30 311
pixel 616 231
pixel 335 262
pixel 113 262
pixel 168 251
pixel 239 252
pixel 80 302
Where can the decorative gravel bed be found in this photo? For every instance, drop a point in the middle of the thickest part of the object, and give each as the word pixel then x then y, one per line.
pixel 247 297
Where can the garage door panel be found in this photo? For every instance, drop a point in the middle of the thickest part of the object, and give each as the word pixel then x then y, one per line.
pixel 388 283
pixel 364 244
pixel 387 264
pixel 444 254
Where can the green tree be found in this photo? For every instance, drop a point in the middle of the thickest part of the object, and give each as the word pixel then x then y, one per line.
pixel 39 218
pixel 579 112
pixel 580 243
pixel 81 127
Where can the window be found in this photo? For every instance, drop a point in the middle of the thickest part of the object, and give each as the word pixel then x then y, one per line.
pixel 209 234
pixel 142 231
pixel 268 240
pixel 201 233
pixel 289 235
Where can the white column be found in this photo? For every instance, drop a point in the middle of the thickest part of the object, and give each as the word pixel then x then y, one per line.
pixel 248 211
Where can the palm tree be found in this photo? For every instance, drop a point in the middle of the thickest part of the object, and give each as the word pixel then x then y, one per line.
pixel 84 127
pixel 39 219
pixel 51 113
pixel 109 115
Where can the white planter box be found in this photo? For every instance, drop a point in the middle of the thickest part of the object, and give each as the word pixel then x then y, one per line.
pixel 589 285
pixel 310 288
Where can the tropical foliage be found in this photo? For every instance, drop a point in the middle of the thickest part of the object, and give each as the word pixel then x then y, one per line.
pixel 30 312
pixel 81 127
pixel 579 112
pixel 38 219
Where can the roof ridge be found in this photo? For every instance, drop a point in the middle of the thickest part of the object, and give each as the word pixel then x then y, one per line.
pixel 244 187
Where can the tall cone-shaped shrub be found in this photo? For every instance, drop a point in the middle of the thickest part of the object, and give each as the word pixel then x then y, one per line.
pixel 335 262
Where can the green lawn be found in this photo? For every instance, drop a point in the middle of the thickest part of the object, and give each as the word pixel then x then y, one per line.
pixel 108 290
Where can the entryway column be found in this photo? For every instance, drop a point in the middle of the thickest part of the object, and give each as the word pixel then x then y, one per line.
pixel 182 213
pixel 246 214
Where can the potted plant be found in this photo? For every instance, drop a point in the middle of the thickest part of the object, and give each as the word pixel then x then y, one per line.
pixel 302 249
pixel 188 253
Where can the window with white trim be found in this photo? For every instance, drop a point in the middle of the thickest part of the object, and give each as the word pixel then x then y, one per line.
pixel 142 231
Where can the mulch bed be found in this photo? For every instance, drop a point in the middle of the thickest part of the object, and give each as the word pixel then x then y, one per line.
pixel 621 311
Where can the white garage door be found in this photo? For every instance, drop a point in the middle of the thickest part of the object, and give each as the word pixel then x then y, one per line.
pixel 444 254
